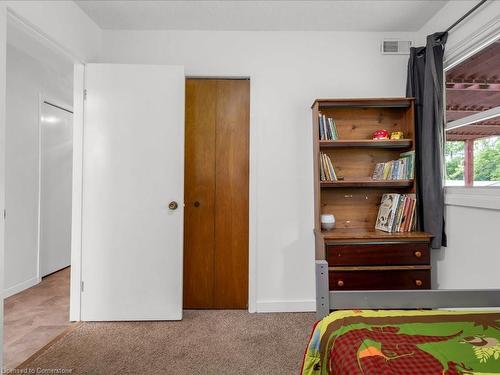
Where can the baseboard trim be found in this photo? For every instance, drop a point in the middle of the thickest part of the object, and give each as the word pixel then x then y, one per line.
pixel 286 306
pixel 20 287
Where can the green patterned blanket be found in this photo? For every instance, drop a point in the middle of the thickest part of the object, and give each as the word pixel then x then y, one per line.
pixel 405 342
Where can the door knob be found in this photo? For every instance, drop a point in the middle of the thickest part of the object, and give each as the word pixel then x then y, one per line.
pixel 173 205
pixel 197 204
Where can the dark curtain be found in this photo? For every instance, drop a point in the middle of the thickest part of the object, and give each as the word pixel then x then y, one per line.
pixel 425 84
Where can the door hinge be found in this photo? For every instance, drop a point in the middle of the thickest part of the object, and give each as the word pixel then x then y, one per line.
pixel 4 213
pixel 82 286
pixel 84 94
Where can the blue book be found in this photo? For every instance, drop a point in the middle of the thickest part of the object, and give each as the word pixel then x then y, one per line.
pixel 321 133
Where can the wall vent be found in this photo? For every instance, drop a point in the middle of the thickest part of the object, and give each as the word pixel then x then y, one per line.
pixel 395 47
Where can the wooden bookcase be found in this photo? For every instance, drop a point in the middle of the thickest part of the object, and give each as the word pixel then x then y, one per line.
pixel 360 257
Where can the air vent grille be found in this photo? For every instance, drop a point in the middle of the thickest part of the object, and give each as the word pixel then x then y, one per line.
pixel 396 47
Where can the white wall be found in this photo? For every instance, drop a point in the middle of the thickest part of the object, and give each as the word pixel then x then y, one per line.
pixel 471 259
pixel 27 78
pixel 472 255
pixel 288 70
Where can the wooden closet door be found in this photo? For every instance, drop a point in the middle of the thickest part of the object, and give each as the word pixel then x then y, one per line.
pixel 216 194
pixel 199 193
pixel 231 194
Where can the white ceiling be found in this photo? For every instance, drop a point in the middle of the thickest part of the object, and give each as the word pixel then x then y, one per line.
pixel 337 15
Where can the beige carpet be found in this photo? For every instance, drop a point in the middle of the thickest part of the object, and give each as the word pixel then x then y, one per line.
pixel 205 342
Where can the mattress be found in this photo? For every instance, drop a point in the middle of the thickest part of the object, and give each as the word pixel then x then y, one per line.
pixel 405 342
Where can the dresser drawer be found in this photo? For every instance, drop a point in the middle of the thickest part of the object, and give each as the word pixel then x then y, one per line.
pixel 379 280
pixel 378 254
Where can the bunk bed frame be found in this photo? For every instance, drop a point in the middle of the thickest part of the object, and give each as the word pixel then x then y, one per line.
pixel 397 299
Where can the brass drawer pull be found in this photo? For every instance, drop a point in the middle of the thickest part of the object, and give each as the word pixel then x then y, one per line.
pixel 340 283
pixel 418 254
pixel 418 282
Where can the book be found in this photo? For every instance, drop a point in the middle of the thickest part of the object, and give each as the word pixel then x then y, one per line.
pixel 386 212
pixel 412 213
pixel 378 172
pixel 405 219
pixel 324 176
pixel 394 170
pixel 400 169
pixel 387 170
pixel 399 214
pixel 327 171
pixel 321 129
pixel 335 134
pixel 327 128
pixel 409 156
pixel 326 167
pixel 396 213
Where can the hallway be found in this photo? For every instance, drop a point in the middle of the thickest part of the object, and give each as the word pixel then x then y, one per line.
pixel 35 316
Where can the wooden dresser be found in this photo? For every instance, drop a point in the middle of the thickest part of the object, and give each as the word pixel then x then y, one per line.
pixel 360 257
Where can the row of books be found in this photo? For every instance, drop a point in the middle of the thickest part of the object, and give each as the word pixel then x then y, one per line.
pixel 401 169
pixel 327 172
pixel 327 129
pixel 397 213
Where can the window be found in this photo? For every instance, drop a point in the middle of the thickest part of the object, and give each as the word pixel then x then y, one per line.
pixel 472 152
pixel 485 161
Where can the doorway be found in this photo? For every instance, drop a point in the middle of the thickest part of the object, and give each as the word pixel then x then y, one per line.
pixel 56 165
pixel 38 193
pixel 216 193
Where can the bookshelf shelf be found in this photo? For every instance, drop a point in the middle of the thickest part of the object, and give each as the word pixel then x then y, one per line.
pixel 366 182
pixel 368 143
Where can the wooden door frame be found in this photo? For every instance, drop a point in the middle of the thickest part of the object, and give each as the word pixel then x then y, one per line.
pixel 252 191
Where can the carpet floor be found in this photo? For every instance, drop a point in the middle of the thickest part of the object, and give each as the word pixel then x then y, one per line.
pixel 204 342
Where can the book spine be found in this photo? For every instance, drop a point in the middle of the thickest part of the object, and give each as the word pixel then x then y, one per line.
pixel 335 129
pixel 332 128
pixel 395 170
pixel 387 170
pixel 321 168
pixel 320 122
pixel 404 217
pixel 325 169
pixel 412 215
pixel 323 160
pixel 334 175
pixel 399 215
pixel 394 209
pixel 325 130
pixel 412 170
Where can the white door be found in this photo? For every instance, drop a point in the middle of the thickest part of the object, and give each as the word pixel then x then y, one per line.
pixel 56 164
pixel 133 161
